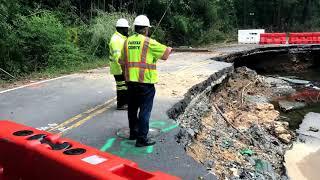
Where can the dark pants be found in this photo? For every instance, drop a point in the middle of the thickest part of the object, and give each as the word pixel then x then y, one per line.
pixel 140 99
pixel 122 90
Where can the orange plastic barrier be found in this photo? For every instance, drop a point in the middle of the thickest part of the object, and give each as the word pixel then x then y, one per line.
pixel 27 153
pixel 304 38
pixel 1 173
pixel 273 38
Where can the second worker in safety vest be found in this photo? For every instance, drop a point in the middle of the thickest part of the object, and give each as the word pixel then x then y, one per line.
pixel 115 47
pixel 138 59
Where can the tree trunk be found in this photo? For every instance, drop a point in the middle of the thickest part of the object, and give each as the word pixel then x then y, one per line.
pixel 134 6
pixel 305 13
pixel 91 9
pixel 264 12
pixel 245 13
pixel 279 15
pixel 143 4
pixel 275 15
pixel 80 9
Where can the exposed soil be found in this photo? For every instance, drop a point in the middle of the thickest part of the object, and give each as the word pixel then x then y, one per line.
pixel 240 136
pixel 176 83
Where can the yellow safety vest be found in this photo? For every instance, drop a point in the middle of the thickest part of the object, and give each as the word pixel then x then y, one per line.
pixel 115 48
pixel 139 57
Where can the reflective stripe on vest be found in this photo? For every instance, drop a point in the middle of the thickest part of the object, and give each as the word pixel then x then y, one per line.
pixel 144 58
pixel 142 64
pixel 139 65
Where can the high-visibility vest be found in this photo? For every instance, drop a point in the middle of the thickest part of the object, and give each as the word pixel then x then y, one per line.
pixel 115 48
pixel 139 57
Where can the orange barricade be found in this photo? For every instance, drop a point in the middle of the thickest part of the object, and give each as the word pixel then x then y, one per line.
pixel 294 38
pixel 264 37
pixel 316 37
pixel 304 38
pixel 273 38
pixel 1 173
pixel 30 154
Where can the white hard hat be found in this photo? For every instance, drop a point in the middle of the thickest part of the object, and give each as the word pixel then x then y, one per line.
pixel 141 20
pixel 122 23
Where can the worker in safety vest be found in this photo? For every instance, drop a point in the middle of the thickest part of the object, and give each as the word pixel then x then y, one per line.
pixel 115 47
pixel 138 59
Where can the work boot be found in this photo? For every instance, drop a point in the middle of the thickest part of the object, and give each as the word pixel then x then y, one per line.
pixel 145 142
pixel 123 107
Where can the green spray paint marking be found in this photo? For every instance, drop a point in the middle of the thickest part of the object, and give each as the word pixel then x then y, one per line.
pixel 163 126
pixel 108 144
pixel 169 128
pixel 157 124
pixel 149 149
pixel 128 147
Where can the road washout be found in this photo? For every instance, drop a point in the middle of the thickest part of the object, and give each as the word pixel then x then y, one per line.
pixel 235 132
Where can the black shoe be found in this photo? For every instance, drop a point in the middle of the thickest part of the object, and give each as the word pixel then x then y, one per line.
pixel 143 143
pixel 123 107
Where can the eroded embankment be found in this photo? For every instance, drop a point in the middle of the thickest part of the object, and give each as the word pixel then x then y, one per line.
pixel 261 59
pixel 228 123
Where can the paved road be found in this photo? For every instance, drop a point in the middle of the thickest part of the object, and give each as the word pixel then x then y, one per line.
pixel 82 107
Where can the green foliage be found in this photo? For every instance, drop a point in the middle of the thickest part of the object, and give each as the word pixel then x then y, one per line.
pixel 188 21
pixel 185 29
pixel 52 35
pixel 73 35
pixel 64 55
pixel 38 42
pixel 44 43
pixel 95 37
pixel 8 38
pixel 38 34
pixel 159 34
pixel 212 35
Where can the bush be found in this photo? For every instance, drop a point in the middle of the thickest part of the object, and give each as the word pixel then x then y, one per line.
pixel 64 55
pixel 159 34
pixel 94 39
pixel 8 39
pixel 43 43
pixel 212 36
pixel 185 30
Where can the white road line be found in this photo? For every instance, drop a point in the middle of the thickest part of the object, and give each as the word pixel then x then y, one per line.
pixel 35 83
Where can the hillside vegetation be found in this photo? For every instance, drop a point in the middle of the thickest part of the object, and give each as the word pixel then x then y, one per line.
pixel 62 36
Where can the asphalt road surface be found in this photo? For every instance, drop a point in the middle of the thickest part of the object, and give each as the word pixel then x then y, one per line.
pixel 82 107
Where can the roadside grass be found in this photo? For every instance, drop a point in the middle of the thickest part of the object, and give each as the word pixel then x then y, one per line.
pixel 54 72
